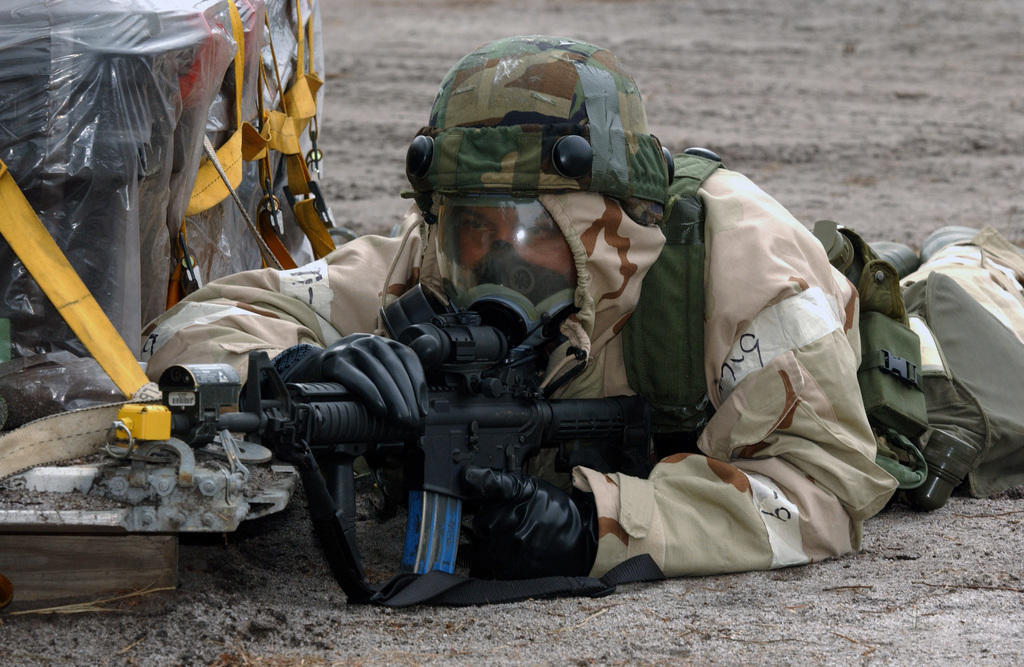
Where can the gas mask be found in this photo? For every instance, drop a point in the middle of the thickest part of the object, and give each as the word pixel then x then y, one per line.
pixel 505 258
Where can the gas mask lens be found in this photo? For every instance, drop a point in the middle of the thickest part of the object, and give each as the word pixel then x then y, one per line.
pixel 506 249
pixel 504 241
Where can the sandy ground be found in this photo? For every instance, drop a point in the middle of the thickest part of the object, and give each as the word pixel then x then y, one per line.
pixel 892 117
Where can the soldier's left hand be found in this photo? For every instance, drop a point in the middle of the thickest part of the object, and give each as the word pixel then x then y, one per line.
pixel 384 374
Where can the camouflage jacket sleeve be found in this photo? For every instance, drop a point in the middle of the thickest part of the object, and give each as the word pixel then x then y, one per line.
pixel 787 474
pixel 990 269
pixel 273 310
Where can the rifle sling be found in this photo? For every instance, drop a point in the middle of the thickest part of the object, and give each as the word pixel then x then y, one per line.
pixel 341 554
pixel 443 588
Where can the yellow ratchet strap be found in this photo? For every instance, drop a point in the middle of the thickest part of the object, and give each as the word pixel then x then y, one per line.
pixel 210 189
pixel 22 229
pixel 299 103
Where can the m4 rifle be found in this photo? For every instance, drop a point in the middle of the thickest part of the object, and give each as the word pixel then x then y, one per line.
pixel 486 409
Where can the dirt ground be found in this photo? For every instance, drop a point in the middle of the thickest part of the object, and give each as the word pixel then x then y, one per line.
pixel 894 117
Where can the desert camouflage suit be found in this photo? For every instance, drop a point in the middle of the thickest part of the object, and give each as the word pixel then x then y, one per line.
pixel 788 473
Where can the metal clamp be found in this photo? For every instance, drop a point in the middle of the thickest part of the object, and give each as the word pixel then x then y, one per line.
pixel 315 156
pixel 320 204
pixel 270 211
pixel 190 278
pixel 270 208
pixel 238 474
pixel 323 211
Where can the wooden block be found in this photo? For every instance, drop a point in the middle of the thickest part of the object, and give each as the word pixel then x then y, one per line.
pixel 45 566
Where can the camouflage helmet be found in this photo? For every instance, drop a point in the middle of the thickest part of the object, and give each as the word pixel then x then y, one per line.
pixel 531 114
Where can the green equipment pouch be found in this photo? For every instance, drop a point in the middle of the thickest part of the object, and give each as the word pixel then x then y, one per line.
pixel 890 371
pixel 663 340
pixel 890 375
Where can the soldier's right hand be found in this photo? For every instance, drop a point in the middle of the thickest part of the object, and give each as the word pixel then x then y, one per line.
pixel 525 527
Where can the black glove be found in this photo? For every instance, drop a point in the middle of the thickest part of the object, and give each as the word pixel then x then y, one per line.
pixel 384 374
pixel 526 527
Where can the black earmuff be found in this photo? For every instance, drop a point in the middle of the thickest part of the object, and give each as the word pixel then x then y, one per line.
pixel 704 153
pixel 572 156
pixel 420 155
pixel 670 163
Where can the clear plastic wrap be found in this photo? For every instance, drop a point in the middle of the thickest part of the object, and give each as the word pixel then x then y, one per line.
pixel 103 104
pixel 218 237
pixel 103 108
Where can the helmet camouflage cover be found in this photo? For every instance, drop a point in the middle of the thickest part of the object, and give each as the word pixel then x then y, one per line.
pixel 501 111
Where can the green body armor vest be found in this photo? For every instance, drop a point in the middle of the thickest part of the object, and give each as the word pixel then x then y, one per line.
pixel 663 341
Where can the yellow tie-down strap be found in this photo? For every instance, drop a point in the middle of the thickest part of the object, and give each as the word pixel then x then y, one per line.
pixel 33 245
pixel 210 189
pixel 299 101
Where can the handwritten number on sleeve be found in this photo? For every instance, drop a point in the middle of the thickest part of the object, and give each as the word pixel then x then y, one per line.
pixel 749 344
pixel 308 278
pixel 781 512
